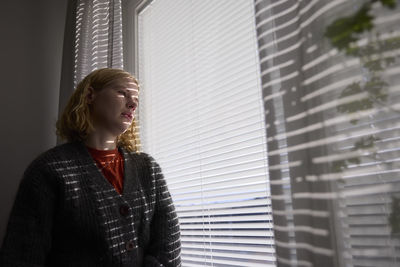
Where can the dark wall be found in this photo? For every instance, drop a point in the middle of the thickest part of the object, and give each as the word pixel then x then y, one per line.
pixel 32 34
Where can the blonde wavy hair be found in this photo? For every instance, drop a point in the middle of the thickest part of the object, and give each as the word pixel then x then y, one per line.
pixel 75 122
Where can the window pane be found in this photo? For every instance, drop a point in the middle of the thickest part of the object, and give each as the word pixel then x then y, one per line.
pixel 201 117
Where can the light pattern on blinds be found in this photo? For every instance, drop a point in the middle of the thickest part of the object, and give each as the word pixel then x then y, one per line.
pixel 202 119
pixel 98 36
pixel 331 99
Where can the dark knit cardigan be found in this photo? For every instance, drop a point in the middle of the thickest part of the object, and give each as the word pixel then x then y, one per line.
pixel 66 213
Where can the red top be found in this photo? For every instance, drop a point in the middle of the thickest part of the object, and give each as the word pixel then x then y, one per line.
pixel 114 169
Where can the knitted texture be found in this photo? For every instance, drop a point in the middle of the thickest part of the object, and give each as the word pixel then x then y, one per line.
pixel 66 213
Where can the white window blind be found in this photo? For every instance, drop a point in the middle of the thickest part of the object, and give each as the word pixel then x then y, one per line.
pixel 201 117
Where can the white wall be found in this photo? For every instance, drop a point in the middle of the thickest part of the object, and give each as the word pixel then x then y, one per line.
pixel 32 34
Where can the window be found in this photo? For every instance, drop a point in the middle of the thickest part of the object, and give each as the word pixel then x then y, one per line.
pixel 202 118
pixel 278 144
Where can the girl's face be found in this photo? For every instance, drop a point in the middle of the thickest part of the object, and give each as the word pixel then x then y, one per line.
pixel 113 107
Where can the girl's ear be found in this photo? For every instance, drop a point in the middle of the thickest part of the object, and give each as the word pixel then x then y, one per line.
pixel 90 95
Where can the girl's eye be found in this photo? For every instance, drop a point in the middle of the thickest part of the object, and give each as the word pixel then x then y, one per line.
pixel 121 92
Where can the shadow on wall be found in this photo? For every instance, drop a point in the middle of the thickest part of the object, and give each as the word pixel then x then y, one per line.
pixel 31 53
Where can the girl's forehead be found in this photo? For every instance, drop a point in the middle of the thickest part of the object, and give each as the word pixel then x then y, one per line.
pixel 127 83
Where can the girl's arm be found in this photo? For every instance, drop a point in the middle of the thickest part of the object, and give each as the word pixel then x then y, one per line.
pixel 165 245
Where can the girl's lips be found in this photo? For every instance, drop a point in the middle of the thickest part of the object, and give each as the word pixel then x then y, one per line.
pixel 127 116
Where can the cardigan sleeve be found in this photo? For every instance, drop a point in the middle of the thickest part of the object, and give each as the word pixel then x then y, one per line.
pixel 165 245
pixel 27 240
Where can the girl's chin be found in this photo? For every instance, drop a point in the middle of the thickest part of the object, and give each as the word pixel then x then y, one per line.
pixel 124 126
